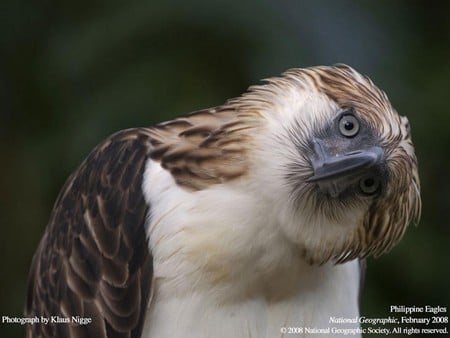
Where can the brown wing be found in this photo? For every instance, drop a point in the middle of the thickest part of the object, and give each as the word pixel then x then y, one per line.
pixel 93 260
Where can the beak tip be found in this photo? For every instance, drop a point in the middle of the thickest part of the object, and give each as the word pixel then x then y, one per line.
pixel 311 179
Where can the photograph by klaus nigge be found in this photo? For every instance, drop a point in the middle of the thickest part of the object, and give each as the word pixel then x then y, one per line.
pixel 224 168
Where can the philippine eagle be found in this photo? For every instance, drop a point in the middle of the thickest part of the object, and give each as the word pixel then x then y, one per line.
pixel 243 220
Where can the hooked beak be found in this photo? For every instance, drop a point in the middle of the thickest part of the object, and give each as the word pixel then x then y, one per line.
pixel 329 167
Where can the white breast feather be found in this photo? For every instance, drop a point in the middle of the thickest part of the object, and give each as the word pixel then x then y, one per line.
pixel 222 267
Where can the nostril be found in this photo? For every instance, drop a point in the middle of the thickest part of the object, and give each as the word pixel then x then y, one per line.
pixel 356 152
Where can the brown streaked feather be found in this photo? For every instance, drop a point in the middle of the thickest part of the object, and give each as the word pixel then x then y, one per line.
pixel 204 147
pixel 93 260
pixel 350 89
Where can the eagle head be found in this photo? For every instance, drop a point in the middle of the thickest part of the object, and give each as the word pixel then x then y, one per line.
pixel 336 160
pixel 321 152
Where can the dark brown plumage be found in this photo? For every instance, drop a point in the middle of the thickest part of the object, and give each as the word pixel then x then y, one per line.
pixel 93 260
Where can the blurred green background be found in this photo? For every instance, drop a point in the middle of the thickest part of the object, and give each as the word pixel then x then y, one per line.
pixel 72 72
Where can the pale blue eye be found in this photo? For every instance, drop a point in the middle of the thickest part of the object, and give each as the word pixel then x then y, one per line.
pixel 348 125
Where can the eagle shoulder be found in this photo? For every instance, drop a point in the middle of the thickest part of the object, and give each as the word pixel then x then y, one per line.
pixel 205 147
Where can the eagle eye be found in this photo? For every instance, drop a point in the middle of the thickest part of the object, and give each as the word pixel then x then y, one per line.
pixel 369 185
pixel 348 125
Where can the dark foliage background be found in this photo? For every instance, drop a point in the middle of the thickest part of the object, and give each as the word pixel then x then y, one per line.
pixel 72 72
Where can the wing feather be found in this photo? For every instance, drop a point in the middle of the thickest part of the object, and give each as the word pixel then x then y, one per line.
pixel 93 260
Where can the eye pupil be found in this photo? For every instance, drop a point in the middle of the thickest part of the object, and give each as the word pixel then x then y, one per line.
pixel 369 182
pixel 348 125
